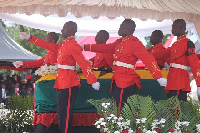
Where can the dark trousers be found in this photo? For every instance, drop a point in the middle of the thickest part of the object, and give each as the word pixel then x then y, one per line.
pixel 129 91
pixel 62 104
pixel 40 128
pixel 182 94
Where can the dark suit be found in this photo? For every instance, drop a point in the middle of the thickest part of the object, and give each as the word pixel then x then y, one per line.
pixel 1 99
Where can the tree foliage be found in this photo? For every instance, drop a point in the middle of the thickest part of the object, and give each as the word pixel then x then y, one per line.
pixel 165 38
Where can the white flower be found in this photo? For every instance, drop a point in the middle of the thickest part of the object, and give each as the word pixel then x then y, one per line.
pixel 162 120
pixel 103 123
pixel 96 122
pixel 148 131
pixel 112 115
pixel 185 123
pixel 116 132
pixel 119 123
pixel 109 118
pixel 128 122
pixel 115 118
pixel 137 121
pixel 143 120
pixel 130 131
pixel 108 103
pixel 156 120
pixel 120 118
pixel 98 126
pixel 198 127
pixel 105 129
pixel 101 120
pixel 103 104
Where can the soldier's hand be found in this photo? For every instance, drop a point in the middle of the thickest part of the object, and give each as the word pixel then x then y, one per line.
pixel 17 64
pixel 162 81
pixel 96 86
pixel 24 35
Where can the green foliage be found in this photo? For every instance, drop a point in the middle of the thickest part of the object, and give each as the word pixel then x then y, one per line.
pixel 190 112
pixel 138 107
pixel 167 109
pixel 112 108
pixel 19 118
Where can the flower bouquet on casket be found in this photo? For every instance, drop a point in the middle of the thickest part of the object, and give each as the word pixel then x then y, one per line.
pixel 46 69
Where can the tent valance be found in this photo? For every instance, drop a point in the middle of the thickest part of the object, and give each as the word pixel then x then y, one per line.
pixel 143 9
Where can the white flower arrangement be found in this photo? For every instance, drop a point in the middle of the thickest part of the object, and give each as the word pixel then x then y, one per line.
pixel 198 128
pixel 181 126
pixel 46 69
pixel 156 125
pixel 112 123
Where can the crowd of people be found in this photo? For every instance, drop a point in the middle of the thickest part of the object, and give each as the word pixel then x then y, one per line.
pixel 14 85
pixel 126 50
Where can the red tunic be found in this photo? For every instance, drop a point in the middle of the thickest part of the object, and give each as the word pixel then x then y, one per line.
pixel 127 50
pixel 156 48
pixel 50 58
pixel 102 59
pixel 182 52
pixel 198 55
pixel 68 53
pixel 45 118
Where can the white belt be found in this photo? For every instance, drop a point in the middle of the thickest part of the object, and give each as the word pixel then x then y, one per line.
pixel 118 63
pixel 66 67
pixel 174 65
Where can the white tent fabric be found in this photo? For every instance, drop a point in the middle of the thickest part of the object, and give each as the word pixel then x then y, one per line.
pixel 88 26
pixel 142 9
pixel 11 51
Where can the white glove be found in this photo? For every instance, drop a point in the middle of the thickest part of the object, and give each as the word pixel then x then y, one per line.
pixel 162 81
pixel 17 64
pixel 82 45
pixel 198 91
pixel 96 86
pixel 24 35
pixel 91 62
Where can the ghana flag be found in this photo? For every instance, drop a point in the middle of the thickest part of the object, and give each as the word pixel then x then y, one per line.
pixel 45 94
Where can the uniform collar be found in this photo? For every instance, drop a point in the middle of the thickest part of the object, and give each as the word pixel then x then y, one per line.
pixel 128 37
pixel 69 38
pixel 158 44
pixel 181 37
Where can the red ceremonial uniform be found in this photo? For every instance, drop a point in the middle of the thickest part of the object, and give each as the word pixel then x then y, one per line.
pixel 102 59
pixel 45 118
pixel 198 55
pixel 182 53
pixel 156 48
pixel 50 58
pixel 127 50
pixel 68 53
